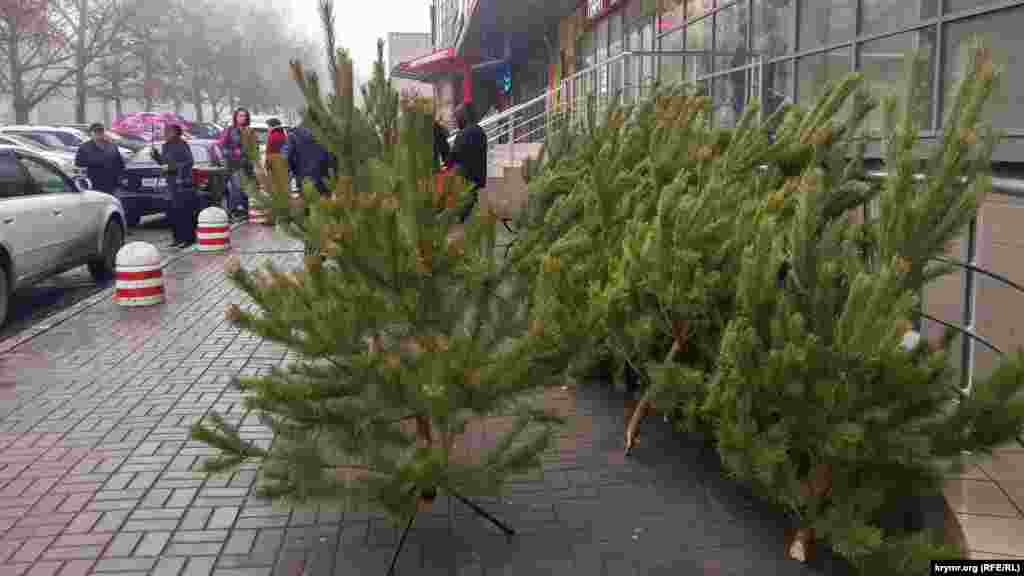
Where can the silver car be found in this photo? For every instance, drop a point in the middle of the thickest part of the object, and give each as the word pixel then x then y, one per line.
pixel 50 223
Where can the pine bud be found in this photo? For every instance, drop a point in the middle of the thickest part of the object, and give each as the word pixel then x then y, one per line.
pixel 456 246
pixel 392 360
pixel 314 263
pixel 389 202
pixel 472 377
pixel 424 257
pixel 233 265
pixel 776 200
pixel 343 187
pixel 969 137
pixel 551 264
pixel 822 136
pixel 808 183
pixel 903 326
pixel 705 153
pixel 441 343
pixel 536 328
pixel 902 265
pixel 295 69
pixel 233 313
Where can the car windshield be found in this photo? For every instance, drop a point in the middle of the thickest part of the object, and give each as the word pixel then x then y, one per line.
pixel 205 131
pixel 43 139
pixel 201 153
pixel 68 138
pixel 12 140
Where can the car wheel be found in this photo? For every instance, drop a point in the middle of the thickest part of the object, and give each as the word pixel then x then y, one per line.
pixel 102 268
pixel 5 295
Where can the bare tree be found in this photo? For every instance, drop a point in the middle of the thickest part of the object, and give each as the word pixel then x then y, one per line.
pixel 92 27
pixel 36 55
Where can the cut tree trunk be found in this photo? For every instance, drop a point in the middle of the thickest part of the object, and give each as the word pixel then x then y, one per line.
pixel 680 331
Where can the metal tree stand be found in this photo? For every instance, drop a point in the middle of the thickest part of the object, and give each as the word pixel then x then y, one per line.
pixel 429 496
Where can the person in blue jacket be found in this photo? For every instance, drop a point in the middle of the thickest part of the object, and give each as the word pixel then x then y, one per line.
pixel 102 161
pixel 176 157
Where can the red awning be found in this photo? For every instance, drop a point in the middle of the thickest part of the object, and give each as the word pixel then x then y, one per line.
pixel 430 67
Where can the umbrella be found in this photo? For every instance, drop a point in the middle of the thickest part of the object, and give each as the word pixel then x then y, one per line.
pixel 148 125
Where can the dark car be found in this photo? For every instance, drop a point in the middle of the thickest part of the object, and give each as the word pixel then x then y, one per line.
pixel 144 189
pixel 204 131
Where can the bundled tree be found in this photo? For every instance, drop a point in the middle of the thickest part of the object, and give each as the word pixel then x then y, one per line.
pixel 408 329
pixel 724 267
pixel 814 397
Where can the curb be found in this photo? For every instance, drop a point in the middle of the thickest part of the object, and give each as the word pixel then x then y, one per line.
pixel 50 322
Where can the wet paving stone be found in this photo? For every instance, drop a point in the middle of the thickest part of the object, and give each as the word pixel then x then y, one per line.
pixel 98 476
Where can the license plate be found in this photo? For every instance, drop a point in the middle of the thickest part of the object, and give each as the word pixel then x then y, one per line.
pixel 153 182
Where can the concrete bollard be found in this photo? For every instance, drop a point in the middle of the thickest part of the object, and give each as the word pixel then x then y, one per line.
pixel 213 231
pixel 139 276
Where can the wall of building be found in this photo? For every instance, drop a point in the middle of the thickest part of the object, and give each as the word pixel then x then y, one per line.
pixel 405 46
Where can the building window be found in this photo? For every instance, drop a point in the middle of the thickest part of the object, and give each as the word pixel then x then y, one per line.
pixel 670 67
pixel 594 8
pixel 774 27
pixel 698 38
pixel 958 5
pixel 815 73
pixel 1001 32
pixel 878 16
pixel 825 22
pixel 884 65
pixel 778 84
pixel 731 37
pixel 601 50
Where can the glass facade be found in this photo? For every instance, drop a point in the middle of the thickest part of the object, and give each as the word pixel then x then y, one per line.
pixel 791 49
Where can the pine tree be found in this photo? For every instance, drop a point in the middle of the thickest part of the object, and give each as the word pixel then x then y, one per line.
pixel 723 265
pixel 381 102
pixel 814 397
pixel 407 326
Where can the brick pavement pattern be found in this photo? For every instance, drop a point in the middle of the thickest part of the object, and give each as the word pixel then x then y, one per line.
pixel 97 475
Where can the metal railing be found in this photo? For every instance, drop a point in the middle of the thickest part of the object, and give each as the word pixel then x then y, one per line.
pixel 517 132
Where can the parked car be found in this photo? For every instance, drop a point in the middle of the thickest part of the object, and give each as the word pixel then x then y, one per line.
pixel 129 142
pixel 144 189
pixel 42 135
pixel 73 137
pixel 64 160
pixel 50 223
pixel 205 131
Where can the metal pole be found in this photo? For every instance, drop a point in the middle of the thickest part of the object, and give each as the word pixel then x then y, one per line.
pixel 967 344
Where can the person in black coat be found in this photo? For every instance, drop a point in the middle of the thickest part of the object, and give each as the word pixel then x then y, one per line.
pixel 176 157
pixel 441 147
pixel 102 161
pixel 307 158
pixel 469 155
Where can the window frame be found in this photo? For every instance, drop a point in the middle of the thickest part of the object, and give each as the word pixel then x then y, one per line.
pixel 35 188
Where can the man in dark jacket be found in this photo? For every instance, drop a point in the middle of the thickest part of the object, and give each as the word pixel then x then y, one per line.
pixel 469 155
pixel 307 158
pixel 102 161
pixel 176 157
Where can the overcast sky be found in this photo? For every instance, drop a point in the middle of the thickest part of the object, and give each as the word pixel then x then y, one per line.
pixel 360 23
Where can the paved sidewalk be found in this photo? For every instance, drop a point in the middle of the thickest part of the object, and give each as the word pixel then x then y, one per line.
pixel 96 475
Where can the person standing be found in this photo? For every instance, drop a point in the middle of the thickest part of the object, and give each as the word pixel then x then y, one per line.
pixel 308 159
pixel 469 155
pixel 441 147
pixel 275 159
pixel 102 161
pixel 240 149
pixel 176 157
